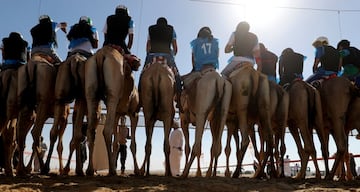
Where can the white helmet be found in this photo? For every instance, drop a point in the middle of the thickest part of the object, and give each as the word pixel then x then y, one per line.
pixel 322 40
pixel 86 19
pixel 121 9
pixel 44 17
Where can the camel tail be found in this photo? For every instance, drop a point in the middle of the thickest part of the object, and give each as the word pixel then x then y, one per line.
pixel 74 63
pixel 255 76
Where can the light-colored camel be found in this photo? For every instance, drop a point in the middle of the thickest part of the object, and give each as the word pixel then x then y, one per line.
pixel 69 85
pixel 105 79
pixel 279 107
pixel 305 115
pixel 250 95
pixel 157 90
pixel 206 98
pixel 336 97
pixel 8 115
pixel 36 92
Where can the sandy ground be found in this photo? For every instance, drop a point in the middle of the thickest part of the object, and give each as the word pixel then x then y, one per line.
pixel 54 182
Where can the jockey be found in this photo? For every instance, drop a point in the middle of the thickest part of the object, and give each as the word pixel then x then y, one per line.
pixel 15 51
pixel 83 38
pixel 350 61
pixel 268 60
pixel 117 28
pixel 290 66
pixel 44 37
pixel 329 58
pixel 160 40
pixel 245 47
pixel 205 50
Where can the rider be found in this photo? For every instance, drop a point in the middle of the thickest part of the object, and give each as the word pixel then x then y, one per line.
pixel 268 60
pixel 160 40
pixel 329 58
pixel 205 50
pixel 350 60
pixel 245 47
pixel 44 37
pixel 15 51
pixel 83 38
pixel 117 28
pixel 290 66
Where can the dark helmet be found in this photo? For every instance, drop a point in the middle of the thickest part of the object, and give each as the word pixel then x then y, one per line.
pixel 44 19
pixel 161 21
pixel 15 35
pixel 204 32
pixel 243 27
pixel 287 51
pixel 343 43
pixel 121 9
pixel 85 19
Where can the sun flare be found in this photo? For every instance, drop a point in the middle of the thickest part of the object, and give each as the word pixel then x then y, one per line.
pixel 261 12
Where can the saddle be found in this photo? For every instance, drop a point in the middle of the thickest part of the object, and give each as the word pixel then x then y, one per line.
pixel 161 60
pixel 132 60
pixel 318 83
pixel 239 67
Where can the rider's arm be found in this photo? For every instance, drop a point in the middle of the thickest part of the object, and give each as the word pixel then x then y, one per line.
pixel 230 45
pixel 174 45
pixel 130 40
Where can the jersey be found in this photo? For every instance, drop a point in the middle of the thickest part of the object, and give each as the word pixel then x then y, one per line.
pixel 205 51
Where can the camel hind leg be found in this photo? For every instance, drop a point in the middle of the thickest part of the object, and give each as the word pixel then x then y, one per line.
pixel 134 118
pixel 196 149
pixel 148 146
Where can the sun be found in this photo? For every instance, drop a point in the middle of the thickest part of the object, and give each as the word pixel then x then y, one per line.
pixel 262 12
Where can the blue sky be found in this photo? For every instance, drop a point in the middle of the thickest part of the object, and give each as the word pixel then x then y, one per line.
pixel 278 23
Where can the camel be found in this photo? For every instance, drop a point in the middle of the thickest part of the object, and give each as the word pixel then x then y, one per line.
pixel 157 91
pixel 250 95
pixel 279 107
pixel 207 98
pixel 342 91
pixel 35 93
pixel 69 85
pixel 105 79
pixel 129 107
pixel 352 122
pixel 8 116
pixel 305 115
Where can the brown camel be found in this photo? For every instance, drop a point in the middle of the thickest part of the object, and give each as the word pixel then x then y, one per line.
pixel 305 115
pixel 352 122
pixel 105 79
pixel 35 92
pixel 157 90
pixel 70 82
pixel 279 107
pixel 207 98
pixel 8 115
pixel 336 97
pixel 250 91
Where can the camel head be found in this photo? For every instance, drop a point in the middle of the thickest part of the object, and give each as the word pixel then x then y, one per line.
pixel 133 62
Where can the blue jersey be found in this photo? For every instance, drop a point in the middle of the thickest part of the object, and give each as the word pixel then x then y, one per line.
pixel 205 52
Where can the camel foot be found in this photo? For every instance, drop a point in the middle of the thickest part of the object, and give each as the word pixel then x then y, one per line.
pixel 66 171
pixel 227 174
pixel 9 172
pixel 79 172
pixel 236 173
pixel 45 170
pixel 90 172
pixel 21 172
